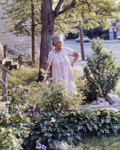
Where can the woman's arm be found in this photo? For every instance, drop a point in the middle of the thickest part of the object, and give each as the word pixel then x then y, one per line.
pixel 75 55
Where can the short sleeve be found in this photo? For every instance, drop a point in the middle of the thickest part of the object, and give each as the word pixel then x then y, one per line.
pixel 49 57
pixel 69 51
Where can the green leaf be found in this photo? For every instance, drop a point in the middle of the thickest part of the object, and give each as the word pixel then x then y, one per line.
pixel 46 103
pixel 51 146
pixel 80 127
pixel 45 94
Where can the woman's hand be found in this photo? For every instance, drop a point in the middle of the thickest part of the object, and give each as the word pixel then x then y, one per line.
pixel 75 55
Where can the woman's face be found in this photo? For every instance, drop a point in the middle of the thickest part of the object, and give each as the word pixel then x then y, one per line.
pixel 58 44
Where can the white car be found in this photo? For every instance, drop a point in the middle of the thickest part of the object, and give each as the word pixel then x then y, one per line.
pixel 118 37
pixel 85 39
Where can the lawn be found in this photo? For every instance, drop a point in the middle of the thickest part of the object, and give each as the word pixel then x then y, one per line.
pixel 111 143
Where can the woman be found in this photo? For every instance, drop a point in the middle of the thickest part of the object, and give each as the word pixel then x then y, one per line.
pixel 60 67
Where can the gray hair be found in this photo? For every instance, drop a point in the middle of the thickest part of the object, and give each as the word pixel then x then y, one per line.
pixel 55 38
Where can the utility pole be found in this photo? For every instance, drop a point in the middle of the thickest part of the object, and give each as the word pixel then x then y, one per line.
pixel 81 41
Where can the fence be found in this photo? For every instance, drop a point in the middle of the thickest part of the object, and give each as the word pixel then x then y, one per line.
pixel 7 50
pixel 4 81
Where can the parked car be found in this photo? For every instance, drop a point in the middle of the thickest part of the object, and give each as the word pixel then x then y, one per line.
pixel 85 39
pixel 118 37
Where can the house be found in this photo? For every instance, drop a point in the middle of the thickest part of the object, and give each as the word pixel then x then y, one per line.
pixel 114 29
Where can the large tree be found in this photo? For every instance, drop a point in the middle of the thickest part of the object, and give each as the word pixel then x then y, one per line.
pixel 71 11
pixel 58 16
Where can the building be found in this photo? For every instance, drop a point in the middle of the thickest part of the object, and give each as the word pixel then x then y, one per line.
pixel 114 29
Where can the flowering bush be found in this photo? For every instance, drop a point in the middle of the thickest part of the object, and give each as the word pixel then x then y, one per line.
pixel 13 129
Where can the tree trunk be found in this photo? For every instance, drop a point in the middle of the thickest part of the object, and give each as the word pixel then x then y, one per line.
pixel 33 32
pixel 47 21
pixel 81 41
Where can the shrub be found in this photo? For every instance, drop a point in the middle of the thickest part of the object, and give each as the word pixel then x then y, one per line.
pixel 13 129
pixel 19 99
pixel 54 94
pixel 101 73
pixel 21 77
pixel 72 127
pixel 104 36
pixel 8 139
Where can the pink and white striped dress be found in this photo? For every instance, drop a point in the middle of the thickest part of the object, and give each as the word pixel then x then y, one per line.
pixel 61 68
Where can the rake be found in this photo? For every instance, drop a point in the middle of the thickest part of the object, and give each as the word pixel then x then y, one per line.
pixel 40 88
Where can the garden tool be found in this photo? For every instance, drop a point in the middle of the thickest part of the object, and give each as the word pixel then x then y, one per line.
pixel 40 88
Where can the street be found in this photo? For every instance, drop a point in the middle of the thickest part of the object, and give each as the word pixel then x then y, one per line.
pixel 109 44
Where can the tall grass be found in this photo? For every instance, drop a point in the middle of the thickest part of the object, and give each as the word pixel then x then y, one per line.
pixel 21 77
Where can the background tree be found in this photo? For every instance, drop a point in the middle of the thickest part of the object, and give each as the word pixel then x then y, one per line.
pixel 23 18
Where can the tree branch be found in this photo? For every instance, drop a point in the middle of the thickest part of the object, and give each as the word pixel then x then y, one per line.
pixel 95 11
pixel 57 9
pixel 72 5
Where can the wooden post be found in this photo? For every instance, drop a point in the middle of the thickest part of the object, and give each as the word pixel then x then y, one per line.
pixel 81 41
pixel 33 31
pixel 4 78
pixel 5 51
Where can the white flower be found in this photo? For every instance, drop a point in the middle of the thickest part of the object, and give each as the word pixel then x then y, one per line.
pixel 53 120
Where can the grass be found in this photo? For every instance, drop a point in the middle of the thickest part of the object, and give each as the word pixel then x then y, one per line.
pixel 21 77
pixel 111 143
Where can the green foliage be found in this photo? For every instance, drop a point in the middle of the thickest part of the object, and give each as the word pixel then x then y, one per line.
pixel 13 128
pixel 111 143
pixel 19 13
pixel 54 122
pixel 101 72
pixel 3 120
pixel 8 140
pixel 19 99
pixel 104 36
pixel 54 95
pixel 73 127
pixel 22 77
pixel 91 15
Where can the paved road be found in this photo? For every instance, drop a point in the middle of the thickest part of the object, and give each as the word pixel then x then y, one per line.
pixel 110 44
